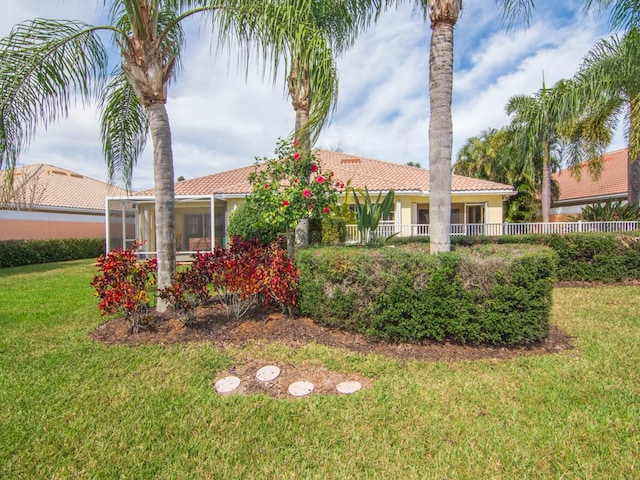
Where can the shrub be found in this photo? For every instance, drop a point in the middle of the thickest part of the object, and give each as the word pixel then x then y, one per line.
pixel 497 296
pixel 240 277
pixel 122 285
pixel 591 257
pixel 334 230
pixel 14 253
pixel 189 289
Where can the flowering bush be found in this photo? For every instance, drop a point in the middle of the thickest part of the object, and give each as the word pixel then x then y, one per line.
pixel 291 187
pixel 122 284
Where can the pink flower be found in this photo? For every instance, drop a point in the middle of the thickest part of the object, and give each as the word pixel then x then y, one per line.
pixel 306 193
pixel 295 142
pixel 326 210
pixel 320 179
pixel 314 167
pixel 296 156
pixel 285 203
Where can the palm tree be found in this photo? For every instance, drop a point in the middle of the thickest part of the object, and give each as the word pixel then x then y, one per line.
pixel 608 80
pixel 337 24
pixel 492 156
pixel 43 63
pixel 443 15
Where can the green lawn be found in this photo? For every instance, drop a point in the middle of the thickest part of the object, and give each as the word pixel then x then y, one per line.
pixel 73 408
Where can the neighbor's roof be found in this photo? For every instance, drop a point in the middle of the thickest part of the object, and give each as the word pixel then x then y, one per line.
pixel 376 175
pixel 42 185
pixel 612 182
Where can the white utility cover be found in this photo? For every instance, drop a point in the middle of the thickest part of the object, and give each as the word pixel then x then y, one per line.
pixel 300 389
pixel 348 387
pixel 227 384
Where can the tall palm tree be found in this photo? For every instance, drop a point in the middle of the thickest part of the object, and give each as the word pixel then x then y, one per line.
pixel 443 15
pixel 538 122
pixel 44 63
pixel 608 80
pixel 337 23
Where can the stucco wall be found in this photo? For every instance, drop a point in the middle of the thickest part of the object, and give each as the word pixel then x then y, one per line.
pixel 18 225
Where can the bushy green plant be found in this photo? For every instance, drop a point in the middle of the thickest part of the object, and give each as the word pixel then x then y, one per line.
pixel 500 296
pixel 122 285
pixel 14 253
pixel 334 230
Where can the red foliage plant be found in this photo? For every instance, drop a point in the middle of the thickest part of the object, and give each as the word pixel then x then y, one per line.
pixel 122 284
pixel 241 276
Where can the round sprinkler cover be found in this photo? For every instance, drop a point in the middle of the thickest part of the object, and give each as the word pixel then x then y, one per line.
pixel 227 384
pixel 300 389
pixel 268 373
pixel 348 387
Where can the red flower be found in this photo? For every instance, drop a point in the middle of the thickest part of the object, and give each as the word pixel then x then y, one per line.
pixel 296 156
pixel 326 210
pixel 266 186
pixel 306 193
pixel 296 180
pixel 285 203
pixel 314 167
pixel 295 142
pixel 320 179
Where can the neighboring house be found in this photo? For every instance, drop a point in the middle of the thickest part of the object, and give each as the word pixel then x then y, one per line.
pixel 577 193
pixel 46 202
pixel 215 196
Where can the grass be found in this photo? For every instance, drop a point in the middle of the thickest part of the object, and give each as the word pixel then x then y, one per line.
pixel 73 408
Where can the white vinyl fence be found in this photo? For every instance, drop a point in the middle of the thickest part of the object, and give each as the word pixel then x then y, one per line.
pixel 495 229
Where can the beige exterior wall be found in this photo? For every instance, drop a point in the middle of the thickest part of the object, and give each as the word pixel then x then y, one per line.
pixel 408 206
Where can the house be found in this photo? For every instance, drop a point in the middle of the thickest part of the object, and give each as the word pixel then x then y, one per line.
pixel 216 196
pixel 45 202
pixel 576 193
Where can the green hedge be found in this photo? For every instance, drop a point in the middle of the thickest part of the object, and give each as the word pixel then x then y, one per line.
pixel 589 257
pixel 494 295
pixel 14 253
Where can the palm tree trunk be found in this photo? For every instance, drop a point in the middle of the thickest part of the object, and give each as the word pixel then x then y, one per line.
pixel 546 184
pixel 633 180
pixel 440 125
pixel 298 83
pixel 165 227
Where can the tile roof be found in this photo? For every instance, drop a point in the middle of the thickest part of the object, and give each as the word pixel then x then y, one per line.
pixel 612 182
pixel 376 175
pixel 44 185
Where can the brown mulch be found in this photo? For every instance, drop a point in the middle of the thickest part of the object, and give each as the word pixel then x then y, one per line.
pixel 262 326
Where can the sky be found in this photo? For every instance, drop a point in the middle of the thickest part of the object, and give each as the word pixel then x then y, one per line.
pixel 221 119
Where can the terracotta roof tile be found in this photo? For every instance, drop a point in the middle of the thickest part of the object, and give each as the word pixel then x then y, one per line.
pixel 48 186
pixel 612 182
pixel 376 175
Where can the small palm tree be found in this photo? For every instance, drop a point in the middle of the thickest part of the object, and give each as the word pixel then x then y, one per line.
pixel 44 63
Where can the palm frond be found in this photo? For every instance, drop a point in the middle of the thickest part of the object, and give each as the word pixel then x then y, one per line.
pixel 43 65
pixel 124 129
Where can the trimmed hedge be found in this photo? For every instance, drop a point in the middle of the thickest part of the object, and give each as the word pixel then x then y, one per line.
pixel 588 257
pixel 14 253
pixel 492 295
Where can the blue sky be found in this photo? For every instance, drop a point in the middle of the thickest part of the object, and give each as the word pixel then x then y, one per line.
pixel 220 120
